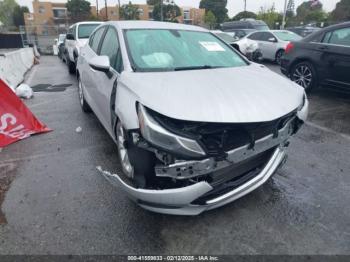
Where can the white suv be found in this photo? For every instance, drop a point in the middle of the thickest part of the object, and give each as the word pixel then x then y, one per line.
pixel 77 36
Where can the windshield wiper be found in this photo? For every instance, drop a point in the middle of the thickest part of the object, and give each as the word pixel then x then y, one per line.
pixel 194 67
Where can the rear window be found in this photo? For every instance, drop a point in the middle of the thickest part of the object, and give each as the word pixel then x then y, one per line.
pixel 287 36
pixel 84 31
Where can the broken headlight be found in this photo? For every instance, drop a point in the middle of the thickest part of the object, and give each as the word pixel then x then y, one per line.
pixel 158 136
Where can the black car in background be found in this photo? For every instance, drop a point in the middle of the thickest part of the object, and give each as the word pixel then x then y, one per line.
pixel 244 24
pixel 240 33
pixel 303 31
pixel 320 59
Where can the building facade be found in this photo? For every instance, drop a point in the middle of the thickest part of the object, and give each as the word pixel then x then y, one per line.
pixel 51 14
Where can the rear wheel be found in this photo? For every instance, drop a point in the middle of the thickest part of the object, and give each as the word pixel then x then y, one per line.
pixel 137 164
pixel 279 55
pixel 304 74
pixel 84 105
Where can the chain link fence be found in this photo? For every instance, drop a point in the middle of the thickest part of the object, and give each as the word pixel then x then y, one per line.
pixel 43 36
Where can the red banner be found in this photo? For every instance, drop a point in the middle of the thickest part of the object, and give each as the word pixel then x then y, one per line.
pixel 16 121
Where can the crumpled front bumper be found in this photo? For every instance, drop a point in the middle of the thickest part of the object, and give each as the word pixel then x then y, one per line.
pixel 178 201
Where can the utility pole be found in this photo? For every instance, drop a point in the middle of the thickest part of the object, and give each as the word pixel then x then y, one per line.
pixel 97 8
pixel 284 14
pixel 161 10
pixel 106 10
pixel 119 16
pixel 245 5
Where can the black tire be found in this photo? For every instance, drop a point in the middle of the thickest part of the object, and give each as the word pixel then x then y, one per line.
pixel 71 66
pixel 141 161
pixel 304 74
pixel 279 55
pixel 84 105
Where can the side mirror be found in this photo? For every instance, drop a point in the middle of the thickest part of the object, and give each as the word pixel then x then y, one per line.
pixel 272 39
pixel 70 37
pixel 100 63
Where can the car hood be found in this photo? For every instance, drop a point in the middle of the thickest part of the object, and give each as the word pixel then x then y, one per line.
pixel 243 94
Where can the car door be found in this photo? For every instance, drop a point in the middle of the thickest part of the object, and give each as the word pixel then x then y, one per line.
pixel 257 36
pixel 103 82
pixel 336 55
pixel 269 44
pixel 87 73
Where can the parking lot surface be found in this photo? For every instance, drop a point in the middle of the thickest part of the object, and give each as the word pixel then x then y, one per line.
pixel 56 201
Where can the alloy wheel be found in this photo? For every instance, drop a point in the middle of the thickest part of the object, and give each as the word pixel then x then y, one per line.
pixel 302 75
pixel 81 94
pixel 123 153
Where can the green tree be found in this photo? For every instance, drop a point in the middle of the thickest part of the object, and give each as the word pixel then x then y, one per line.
pixel 217 7
pixel 129 12
pixel 170 12
pixel 244 14
pixel 7 8
pixel 341 11
pixel 269 15
pixel 18 18
pixel 310 11
pixel 79 10
pixel 290 8
pixel 153 2
pixel 210 19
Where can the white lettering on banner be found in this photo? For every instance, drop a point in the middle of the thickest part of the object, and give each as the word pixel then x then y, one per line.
pixel 17 131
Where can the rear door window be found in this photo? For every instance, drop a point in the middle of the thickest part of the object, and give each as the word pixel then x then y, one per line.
pixel 256 36
pixel 97 39
pixel 338 37
pixel 110 48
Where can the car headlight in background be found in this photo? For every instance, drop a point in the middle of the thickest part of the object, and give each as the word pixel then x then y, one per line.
pixel 158 136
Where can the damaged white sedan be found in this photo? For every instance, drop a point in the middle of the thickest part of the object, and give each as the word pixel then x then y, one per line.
pixel 196 124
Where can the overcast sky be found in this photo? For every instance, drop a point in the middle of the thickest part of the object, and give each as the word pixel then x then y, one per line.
pixel 234 6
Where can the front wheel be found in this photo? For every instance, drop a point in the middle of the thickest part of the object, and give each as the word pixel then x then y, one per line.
pixel 71 66
pixel 137 164
pixel 304 74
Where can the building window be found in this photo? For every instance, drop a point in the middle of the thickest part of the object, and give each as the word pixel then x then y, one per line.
pixel 41 9
pixel 140 11
pixel 150 15
pixel 59 13
pixel 187 15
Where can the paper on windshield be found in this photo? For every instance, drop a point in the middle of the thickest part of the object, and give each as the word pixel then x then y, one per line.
pixel 212 46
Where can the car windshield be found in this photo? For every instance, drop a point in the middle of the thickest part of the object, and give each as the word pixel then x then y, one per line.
pixel 172 50
pixel 287 36
pixel 85 31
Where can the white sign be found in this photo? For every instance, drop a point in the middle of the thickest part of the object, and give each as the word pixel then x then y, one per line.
pixel 212 46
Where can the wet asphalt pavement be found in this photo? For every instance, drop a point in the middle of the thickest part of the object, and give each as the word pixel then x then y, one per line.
pixel 58 203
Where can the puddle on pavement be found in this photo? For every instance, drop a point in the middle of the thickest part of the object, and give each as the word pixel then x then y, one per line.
pixel 50 88
pixel 7 175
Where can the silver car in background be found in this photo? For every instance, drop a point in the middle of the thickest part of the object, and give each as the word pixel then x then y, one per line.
pixel 249 48
pixel 195 123
pixel 273 43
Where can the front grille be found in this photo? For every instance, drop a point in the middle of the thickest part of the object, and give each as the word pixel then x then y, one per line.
pixel 218 138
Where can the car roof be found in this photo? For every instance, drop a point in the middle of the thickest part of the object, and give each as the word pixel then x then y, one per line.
pixel 87 23
pixel 323 30
pixel 154 25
